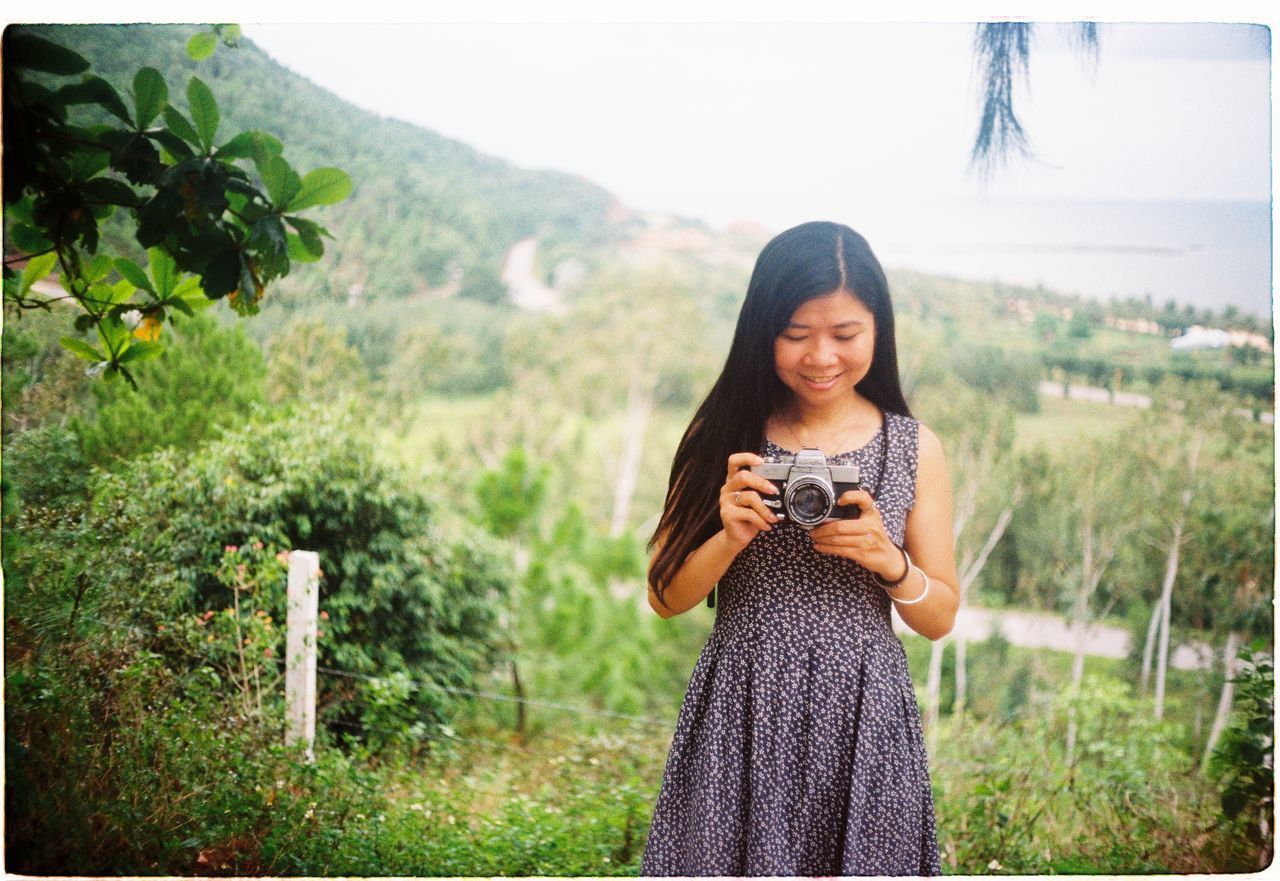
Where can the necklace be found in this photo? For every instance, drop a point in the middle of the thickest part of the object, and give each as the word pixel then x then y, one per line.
pixel 795 434
pixel 884 449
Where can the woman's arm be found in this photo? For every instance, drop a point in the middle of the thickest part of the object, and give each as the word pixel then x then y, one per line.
pixel 743 515
pixel 931 545
pixel 928 541
pixel 696 577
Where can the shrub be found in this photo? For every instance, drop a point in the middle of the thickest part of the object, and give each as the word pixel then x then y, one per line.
pixel 46 466
pixel 1014 376
pixel 404 588
pixel 208 377
pixel 1244 763
pixel 119 764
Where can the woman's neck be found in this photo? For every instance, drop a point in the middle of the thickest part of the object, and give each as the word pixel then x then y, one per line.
pixel 836 424
pixel 832 417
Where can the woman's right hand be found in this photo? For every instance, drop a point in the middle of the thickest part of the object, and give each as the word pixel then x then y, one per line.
pixel 742 509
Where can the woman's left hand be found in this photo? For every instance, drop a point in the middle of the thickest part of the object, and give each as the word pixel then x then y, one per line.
pixel 863 540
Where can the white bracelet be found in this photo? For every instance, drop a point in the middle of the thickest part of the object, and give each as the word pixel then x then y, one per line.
pixel 923 593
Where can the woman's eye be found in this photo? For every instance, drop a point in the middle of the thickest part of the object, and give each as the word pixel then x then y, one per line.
pixel 845 339
pixel 794 339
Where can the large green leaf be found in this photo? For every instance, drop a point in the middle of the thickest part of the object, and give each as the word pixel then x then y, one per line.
pixel 81 349
pixel 281 181
pixel 190 293
pixel 248 145
pixel 96 90
pixel 309 234
pixel 164 272
pixel 202 45
pixel 204 111
pixel 111 191
pixel 300 252
pixel 324 186
pixel 177 148
pixel 33 53
pixel 142 351
pixel 180 125
pixel 36 269
pixel 87 163
pixel 150 94
pixel 97 268
pixel 133 272
pixel 29 238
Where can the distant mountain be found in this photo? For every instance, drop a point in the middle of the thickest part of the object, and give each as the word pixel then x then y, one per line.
pixel 426 212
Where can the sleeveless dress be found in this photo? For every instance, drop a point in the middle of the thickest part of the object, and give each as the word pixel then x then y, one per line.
pixel 798 749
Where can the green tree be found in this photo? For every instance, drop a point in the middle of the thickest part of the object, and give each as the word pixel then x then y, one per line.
pixel 1002 53
pixel 208 378
pixel 311 361
pixel 194 208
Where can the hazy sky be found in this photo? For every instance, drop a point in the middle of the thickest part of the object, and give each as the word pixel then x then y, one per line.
pixel 783 121
pixel 719 110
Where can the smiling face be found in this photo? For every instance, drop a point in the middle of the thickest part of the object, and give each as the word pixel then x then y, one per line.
pixel 825 350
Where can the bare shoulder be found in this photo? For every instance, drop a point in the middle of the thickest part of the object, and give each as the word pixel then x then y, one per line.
pixel 931 453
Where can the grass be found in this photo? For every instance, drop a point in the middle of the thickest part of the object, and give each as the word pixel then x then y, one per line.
pixel 1062 422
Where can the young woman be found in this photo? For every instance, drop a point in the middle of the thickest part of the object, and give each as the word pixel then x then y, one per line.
pixel 798 750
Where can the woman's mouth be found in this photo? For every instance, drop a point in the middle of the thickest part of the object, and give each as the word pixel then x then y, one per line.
pixel 821 382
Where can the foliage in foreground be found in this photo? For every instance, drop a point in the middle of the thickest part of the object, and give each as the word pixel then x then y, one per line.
pixel 404 588
pixel 210 228
pixel 158 773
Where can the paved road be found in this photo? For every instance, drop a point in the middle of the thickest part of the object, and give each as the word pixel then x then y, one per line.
pixel 1041 630
pixel 1123 399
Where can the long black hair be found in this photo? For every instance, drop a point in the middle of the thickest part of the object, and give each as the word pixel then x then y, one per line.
pixel 801 264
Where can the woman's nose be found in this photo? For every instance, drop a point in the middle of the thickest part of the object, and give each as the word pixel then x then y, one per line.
pixel 821 352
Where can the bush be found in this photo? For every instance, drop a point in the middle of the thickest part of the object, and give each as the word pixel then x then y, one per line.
pixel 1008 799
pixel 404 588
pixel 119 764
pixel 1244 763
pixel 46 466
pixel 1014 376
pixel 208 377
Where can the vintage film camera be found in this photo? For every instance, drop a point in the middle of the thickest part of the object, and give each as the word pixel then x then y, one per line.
pixel 808 487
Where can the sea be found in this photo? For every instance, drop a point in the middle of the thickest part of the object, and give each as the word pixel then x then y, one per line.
pixel 1205 253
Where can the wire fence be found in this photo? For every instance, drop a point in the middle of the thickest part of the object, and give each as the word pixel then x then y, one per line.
pixel 538 703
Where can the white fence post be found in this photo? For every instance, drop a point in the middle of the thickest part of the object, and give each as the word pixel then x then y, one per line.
pixel 300 648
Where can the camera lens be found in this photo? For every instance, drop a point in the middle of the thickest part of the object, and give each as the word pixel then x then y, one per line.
pixel 808 504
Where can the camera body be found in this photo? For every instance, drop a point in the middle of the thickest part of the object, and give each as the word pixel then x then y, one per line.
pixel 808 487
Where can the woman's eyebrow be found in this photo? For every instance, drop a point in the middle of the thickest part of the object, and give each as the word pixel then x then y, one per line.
pixel 853 323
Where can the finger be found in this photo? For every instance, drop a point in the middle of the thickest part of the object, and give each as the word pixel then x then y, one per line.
pixel 738 461
pixel 743 498
pixel 859 497
pixel 746 479
pixel 752 500
pixel 844 527
pixel 741 514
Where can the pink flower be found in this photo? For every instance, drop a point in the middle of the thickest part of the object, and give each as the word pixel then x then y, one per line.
pixel 257 545
pixel 231 549
pixel 283 557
